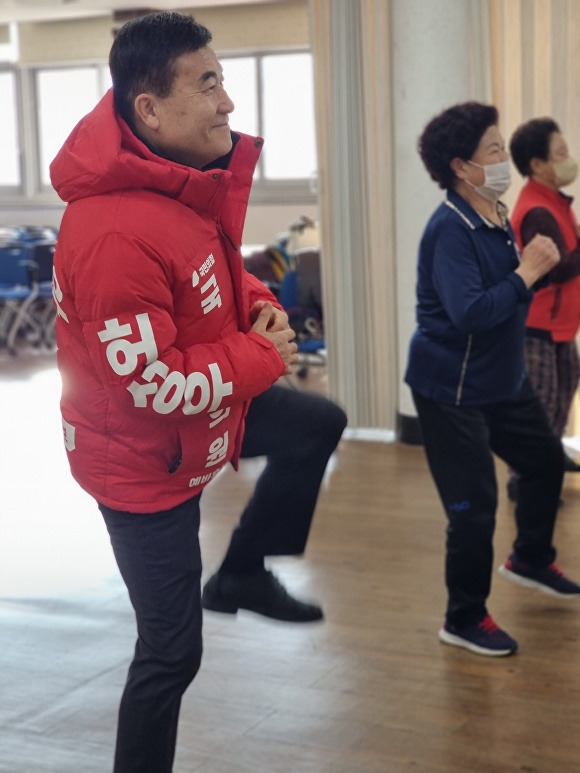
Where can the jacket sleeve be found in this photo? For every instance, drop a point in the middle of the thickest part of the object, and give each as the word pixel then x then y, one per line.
pixel 472 305
pixel 125 305
pixel 258 291
pixel 540 221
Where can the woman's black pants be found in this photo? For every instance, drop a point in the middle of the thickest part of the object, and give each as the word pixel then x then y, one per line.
pixel 460 443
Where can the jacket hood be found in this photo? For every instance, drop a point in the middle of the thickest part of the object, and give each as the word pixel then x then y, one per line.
pixel 102 155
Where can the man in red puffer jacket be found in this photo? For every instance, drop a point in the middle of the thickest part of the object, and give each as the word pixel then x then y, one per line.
pixel 168 352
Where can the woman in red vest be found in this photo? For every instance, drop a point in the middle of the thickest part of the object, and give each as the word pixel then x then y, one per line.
pixel 541 154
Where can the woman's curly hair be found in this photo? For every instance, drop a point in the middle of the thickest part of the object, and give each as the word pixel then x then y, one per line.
pixel 454 133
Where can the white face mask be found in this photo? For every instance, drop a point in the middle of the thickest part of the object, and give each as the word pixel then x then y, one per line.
pixel 498 178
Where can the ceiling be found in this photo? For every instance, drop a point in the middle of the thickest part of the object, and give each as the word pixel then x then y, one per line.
pixel 40 10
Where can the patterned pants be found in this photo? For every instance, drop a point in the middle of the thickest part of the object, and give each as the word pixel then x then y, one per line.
pixel 553 369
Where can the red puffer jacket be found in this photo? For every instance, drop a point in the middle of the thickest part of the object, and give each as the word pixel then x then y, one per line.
pixel 157 361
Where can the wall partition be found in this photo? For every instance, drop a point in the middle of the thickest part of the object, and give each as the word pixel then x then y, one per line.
pixel 536 67
pixel 536 72
pixel 383 68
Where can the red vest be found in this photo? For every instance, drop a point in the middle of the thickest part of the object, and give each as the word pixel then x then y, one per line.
pixel 556 307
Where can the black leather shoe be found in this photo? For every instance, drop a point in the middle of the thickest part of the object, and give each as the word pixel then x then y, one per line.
pixel 259 592
pixel 570 465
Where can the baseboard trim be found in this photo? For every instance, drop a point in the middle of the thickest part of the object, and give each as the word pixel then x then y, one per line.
pixel 409 430
pixel 370 434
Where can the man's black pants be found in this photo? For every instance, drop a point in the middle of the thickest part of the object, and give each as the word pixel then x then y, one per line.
pixel 159 559
pixel 459 443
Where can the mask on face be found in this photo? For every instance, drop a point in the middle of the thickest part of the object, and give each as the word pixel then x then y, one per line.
pixel 498 179
pixel 566 171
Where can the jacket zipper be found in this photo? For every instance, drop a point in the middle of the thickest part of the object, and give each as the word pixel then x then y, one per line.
pixel 225 233
pixel 463 371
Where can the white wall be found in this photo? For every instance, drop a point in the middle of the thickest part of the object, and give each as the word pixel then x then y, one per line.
pixel 263 222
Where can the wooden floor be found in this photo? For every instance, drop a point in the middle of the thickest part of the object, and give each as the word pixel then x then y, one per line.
pixel 370 690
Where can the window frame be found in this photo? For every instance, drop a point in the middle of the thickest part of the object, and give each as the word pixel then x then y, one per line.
pixel 15 191
pixel 267 190
pixel 102 71
pixel 31 193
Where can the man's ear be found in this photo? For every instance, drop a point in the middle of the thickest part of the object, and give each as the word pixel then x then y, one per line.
pixel 145 106
pixel 458 167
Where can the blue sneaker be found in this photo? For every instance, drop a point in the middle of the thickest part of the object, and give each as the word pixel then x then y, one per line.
pixel 484 638
pixel 548 579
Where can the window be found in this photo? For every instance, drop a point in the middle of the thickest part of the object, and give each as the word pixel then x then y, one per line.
pixel 240 79
pixel 9 149
pixel 274 98
pixel 63 96
pixel 272 93
pixel 288 116
pixel 8 42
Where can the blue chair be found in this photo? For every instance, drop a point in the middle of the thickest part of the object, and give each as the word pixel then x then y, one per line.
pixel 26 307
pixel 306 322
pixel 16 296
pixel 288 293
pixel 41 260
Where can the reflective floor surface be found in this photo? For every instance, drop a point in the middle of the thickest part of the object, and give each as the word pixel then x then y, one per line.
pixel 370 690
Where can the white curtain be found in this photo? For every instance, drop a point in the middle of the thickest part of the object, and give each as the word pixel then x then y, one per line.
pixel 350 40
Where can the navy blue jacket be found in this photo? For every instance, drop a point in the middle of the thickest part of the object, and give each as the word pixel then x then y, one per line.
pixel 468 348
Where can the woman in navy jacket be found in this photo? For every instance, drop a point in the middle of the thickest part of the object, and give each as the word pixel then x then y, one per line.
pixel 466 371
